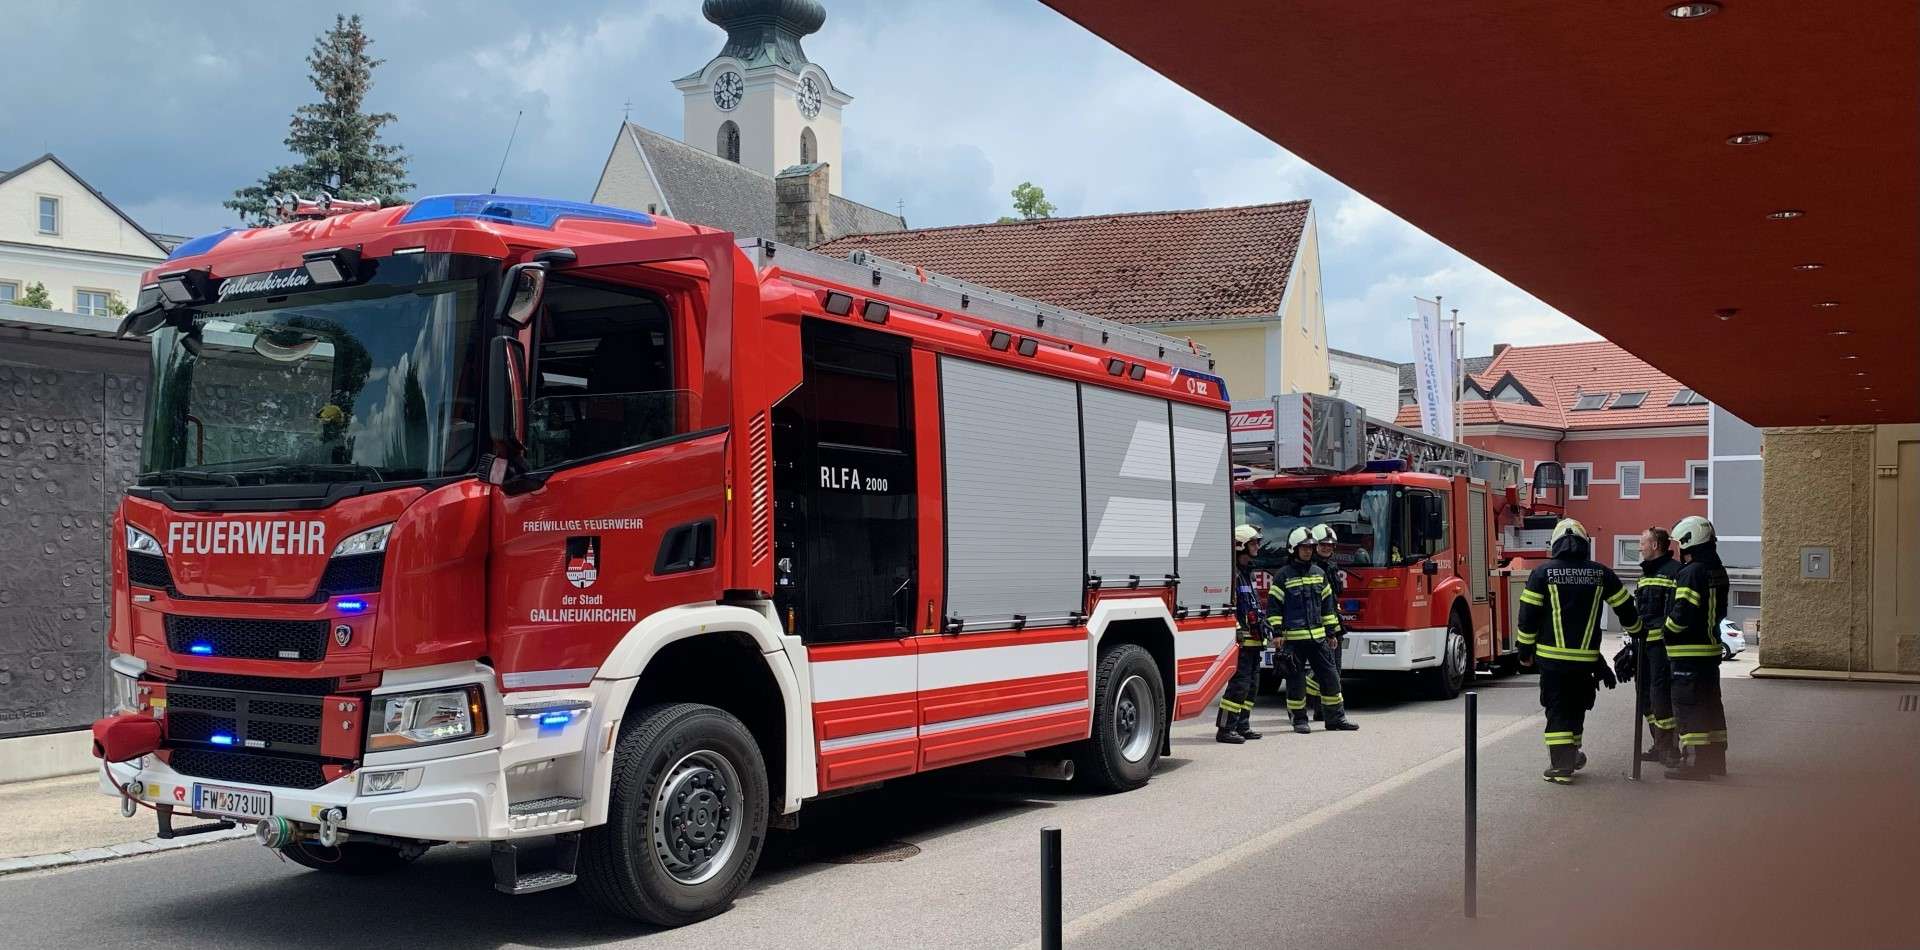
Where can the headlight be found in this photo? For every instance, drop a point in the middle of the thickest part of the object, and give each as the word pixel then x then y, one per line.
pixel 413 719
pixel 370 541
pixel 142 542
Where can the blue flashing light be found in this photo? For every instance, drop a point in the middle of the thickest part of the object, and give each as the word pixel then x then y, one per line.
pixel 220 739
pixel 557 718
pixel 200 245
pixel 1220 381
pixel 201 649
pixel 351 606
pixel 1387 465
pixel 509 209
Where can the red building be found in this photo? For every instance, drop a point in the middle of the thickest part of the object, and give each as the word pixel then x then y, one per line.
pixel 1632 439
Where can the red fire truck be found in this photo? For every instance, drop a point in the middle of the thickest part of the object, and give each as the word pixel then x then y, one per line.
pixel 502 519
pixel 1420 521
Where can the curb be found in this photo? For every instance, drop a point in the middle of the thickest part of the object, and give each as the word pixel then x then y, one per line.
pixel 59 859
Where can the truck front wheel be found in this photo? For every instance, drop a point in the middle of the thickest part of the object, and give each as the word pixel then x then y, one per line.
pixel 1456 663
pixel 1129 719
pixel 686 820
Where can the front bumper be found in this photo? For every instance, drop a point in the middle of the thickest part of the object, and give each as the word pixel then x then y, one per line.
pixel 1409 650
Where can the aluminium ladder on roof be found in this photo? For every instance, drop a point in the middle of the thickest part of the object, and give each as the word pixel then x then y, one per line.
pixel 971 302
pixel 1307 433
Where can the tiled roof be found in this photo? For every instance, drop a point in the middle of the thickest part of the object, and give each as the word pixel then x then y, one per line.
pixel 1475 366
pixel 1559 374
pixel 1153 267
pixel 703 188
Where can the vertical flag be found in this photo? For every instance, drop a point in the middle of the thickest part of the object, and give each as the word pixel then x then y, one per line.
pixel 1433 368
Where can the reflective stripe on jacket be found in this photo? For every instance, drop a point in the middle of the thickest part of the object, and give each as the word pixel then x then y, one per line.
pixel 1300 602
pixel 1654 593
pixel 1692 624
pixel 1560 609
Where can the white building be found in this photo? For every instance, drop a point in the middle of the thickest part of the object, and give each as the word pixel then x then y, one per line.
pixel 56 230
pixel 1372 384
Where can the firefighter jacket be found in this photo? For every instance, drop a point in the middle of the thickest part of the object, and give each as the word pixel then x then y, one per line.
pixel 1300 602
pixel 1560 608
pixel 1333 578
pixel 1249 609
pixel 1654 593
pixel 1692 626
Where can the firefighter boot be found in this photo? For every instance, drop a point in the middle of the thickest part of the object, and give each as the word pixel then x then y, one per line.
pixel 1692 766
pixel 1560 764
pixel 1229 737
pixel 1300 724
pixel 1337 720
pixel 1246 733
pixel 1714 759
pixel 1579 759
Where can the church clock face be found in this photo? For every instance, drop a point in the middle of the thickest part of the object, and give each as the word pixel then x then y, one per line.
pixel 727 90
pixel 809 97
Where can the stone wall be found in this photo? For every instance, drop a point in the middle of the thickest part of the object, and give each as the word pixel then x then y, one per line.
pixel 71 415
pixel 1817 491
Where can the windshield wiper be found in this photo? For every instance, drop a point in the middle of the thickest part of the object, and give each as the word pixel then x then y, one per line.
pixel 177 475
pixel 319 471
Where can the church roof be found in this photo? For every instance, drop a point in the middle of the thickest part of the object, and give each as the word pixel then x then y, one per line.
pixel 703 188
pixel 765 32
pixel 1154 268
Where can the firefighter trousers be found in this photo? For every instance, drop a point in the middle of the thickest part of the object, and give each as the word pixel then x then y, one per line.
pixel 1313 684
pixel 1566 693
pixel 1653 692
pixel 1236 704
pixel 1314 660
pixel 1699 717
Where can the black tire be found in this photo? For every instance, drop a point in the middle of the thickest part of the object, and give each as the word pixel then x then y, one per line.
pixel 1726 653
pixel 357 858
pixel 1456 665
pixel 1119 757
pixel 621 867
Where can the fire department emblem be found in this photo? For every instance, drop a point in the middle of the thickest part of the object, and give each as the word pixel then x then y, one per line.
pixel 583 561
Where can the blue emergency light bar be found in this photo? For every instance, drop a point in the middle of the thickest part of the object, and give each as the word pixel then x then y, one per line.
pixel 350 606
pixel 509 209
pixel 1386 465
pixel 201 649
pixel 220 739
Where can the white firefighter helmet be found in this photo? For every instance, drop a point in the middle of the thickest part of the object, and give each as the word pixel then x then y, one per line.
pixel 1323 534
pixel 1301 535
pixel 1568 526
pixel 1245 533
pixel 1692 531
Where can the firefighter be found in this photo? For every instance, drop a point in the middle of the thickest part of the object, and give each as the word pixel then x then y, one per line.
pixel 1692 633
pixel 1234 723
pixel 1323 538
pixel 1560 633
pixel 1299 611
pixel 1653 680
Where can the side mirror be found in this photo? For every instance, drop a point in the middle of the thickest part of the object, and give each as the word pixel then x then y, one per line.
pixel 1429 567
pixel 1434 522
pixel 506 402
pixel 520 293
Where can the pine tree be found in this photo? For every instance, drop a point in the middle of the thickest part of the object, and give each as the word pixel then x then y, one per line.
pixel 340 148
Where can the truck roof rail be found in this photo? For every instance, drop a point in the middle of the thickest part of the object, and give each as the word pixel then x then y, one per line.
pixel 965 299
pixel 1307 433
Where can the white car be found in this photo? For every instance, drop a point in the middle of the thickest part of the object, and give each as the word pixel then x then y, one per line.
pixel 1732 641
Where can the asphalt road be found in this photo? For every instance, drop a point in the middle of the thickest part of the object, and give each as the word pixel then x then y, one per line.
pixel 1323 841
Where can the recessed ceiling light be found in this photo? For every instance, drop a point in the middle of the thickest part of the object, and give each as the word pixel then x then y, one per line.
pixel 1748 138
pixel 1828 303
pixel 1785 214
pixel 1726 313
pixel 1810 265
pixel 1693 11
pixel 1861 373
pixel 1851 356
pixel 1839 332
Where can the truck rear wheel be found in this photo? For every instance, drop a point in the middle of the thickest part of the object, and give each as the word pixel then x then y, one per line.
pixel 686 820
pixel 1129 720
pixel 351 857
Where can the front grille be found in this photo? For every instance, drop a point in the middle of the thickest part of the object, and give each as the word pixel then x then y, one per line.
pixel 148 570
pixel 322 686
pixel 249 768
pixel 248 638
pixel 354 574
pixel 250 721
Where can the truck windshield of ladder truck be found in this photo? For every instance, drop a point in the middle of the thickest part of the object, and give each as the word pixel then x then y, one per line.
pixel 376 383
pixel 1366 521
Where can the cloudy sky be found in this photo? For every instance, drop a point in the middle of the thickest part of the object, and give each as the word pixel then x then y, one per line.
pixel 168 108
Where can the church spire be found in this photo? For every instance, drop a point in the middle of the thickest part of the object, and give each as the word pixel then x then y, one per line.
pixel 766 32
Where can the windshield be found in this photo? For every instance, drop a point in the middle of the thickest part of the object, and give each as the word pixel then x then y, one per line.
pixel 1360 518
pixel 374 384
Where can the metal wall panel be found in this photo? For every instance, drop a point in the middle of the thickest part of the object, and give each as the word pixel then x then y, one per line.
pixel 1477 565
pixel 1129 468
pixel 1013 507
pixel 1203 506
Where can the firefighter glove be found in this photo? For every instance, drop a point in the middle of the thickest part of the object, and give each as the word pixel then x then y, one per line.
pixel 1624 662
pixel 1605 675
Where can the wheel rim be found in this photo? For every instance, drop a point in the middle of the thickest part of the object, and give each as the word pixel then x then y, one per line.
pixel 696 817
pixel 1456 656
pixel 1134 716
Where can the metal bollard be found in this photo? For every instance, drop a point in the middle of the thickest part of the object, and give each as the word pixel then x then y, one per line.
pixel 1639 703
pixel 1472 888
pixel 1050 889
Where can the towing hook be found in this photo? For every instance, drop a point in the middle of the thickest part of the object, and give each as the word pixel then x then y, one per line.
pixel 330 834
pixel 129 799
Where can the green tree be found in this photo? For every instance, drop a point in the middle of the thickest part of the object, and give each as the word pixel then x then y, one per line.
pixel 36 296
pixel 115 306
pixel 1031 201
pixel 339 145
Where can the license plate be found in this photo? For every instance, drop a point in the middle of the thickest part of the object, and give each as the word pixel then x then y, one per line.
pixel 233 802
pixel 1266 659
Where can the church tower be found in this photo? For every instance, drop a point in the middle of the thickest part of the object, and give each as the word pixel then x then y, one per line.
pixel 761 102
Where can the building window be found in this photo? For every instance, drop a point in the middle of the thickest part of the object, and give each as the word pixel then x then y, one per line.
pixel 1629 400
pixel 1589 401
pixel 9 291
pixel 1579 479
pixel 49 215
pixel 728 146
pixel 1626 550
pixel 91 303
pixel 809 148
pixel 1628 474
pixel 1746 598
pixel 1687 397
pixel 1699 479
